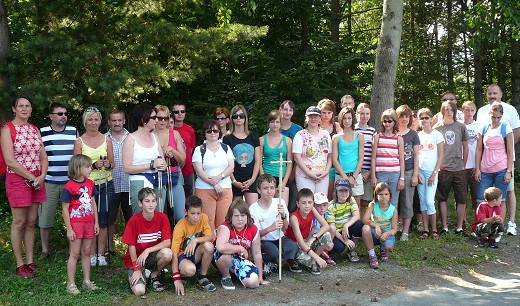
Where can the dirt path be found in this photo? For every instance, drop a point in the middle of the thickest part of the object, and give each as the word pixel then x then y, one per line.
pixel 357 284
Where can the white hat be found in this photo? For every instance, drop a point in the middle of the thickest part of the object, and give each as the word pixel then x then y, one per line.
pixel 320 198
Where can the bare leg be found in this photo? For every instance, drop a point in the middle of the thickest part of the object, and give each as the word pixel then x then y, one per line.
pixel 511 205
pixel 251 197
pixel 223 264
pixel 102 240
pixel 86 245
pixel 75 248
pixel 426 221
pixel 17 232
pixel 32 216
pixel 433 221
pixel 443 210
pixel 367 237
pixel 164 258
pixel 205 258
pixel 461 214
pixel 111 231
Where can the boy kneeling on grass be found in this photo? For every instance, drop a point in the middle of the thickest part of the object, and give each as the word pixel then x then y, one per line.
pixel 488 223
pixel 192 246
pixel 299 230
pixel 148 236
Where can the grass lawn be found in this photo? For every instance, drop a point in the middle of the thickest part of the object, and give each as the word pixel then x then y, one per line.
pixel 456 253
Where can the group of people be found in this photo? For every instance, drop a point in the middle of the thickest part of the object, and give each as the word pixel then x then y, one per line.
pixel 314 190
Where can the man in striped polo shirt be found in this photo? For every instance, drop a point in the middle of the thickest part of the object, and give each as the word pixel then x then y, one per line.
pixel 58 140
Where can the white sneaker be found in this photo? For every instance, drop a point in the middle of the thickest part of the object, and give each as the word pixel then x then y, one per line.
pixel 93 260
pixel 404 237
pixel 498 237
pixel 511 228
pixel 102 260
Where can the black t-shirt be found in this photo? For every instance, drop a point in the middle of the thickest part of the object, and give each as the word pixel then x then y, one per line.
pixel 244 152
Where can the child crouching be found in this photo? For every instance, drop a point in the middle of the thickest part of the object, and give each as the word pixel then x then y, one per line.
pixel 380 227
pixel 192 246
pixel 148 236
pixel 488 223
pixel 299 230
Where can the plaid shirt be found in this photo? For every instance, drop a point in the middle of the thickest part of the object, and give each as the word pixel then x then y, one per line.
pixel 121 179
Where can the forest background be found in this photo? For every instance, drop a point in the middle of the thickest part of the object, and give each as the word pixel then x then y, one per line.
pixel 210 53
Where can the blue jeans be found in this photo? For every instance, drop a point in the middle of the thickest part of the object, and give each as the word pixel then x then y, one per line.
pixel 427 193
pixel 492 179
pixel 392 179
pixel 104 195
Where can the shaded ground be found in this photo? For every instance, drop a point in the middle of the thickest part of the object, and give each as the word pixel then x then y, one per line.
pixel 357 284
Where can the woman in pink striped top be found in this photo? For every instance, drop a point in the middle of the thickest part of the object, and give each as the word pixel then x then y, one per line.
pixel 388 155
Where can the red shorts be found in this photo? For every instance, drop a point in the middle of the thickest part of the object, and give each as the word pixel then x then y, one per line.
pixel 21 195
pixel 83 230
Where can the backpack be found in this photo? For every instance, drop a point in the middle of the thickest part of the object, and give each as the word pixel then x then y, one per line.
pixel 502 131
pixel 3 166
pixel 203 149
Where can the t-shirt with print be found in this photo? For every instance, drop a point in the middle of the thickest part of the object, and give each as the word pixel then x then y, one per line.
pixel 340 213
pixel 264 218
pixel 314 150
pixel 243 237
pixel 473 129
pixel 79 195
pixel 454 134
pixel 428 149
pixel 185 231
pixel 244 152
pixel 410 140
pixel 143 233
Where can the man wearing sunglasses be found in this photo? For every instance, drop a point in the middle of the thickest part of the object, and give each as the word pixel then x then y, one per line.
pixel 58 140
pixel 188 136
pixel 510 116
pixel 448 96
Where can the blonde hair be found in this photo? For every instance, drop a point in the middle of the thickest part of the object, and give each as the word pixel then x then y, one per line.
pixel 162 108
pixel 76 163
pixel 389 114
pixel 235 109
pixel 468 104
pixel 327 105
pixel 89 112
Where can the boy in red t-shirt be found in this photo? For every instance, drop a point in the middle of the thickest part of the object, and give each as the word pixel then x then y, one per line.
pixel 148 236
pixel 488 223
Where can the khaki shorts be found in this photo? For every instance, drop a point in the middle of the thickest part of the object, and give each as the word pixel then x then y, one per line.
pixel 304 258
pixel 47 210
pixel 368 190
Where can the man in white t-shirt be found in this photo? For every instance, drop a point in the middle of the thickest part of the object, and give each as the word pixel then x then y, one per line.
pixel 494 93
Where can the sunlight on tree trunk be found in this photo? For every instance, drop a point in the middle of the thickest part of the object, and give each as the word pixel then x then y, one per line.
pixel 387 56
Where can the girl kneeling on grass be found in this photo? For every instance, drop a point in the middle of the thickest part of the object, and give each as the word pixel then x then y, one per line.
pixel 235 237
pixel 81 219
pixel 380 227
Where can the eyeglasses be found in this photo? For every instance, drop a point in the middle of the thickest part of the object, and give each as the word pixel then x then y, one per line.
pixel 414 115
pixel 160 118
pixel 448 99
pixel 176 112
pixel 92 110
pixel 388 121
pixel 241 115
pixel 221 118
pixel 153 117
pixel 212 131
pixel 425 118
pixel 60 113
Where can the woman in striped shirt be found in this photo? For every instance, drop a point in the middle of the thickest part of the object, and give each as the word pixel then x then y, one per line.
pixel 388 155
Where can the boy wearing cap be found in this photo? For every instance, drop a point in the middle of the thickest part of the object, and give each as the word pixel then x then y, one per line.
pixel 270 215
pixel 344 219
pixel 321 203
pixel 299 230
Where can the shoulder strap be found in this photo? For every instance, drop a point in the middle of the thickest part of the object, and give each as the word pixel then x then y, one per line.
pixel 484 130
pixel 202 151
pixel 12 128
pixel 224 146
pixel 503 130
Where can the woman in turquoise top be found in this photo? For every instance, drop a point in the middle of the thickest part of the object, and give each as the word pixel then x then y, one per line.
pixel 271 145
pixel 99 148
pixel 348 151
pixel 380 227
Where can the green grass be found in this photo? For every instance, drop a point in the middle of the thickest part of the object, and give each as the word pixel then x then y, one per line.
pixel 451 252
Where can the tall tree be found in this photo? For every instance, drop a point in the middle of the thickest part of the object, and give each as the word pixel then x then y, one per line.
pixel 387 55
pixel 4 46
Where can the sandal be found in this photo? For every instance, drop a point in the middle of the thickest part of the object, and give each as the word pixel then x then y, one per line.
pixel 328 259
pixel 204 283
pixel 157 286
pixel 426 234
pixel 435 235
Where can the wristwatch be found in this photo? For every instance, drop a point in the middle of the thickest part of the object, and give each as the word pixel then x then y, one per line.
pixel 401 178
pixel 315 236
pixel 509 171
pixel 222 175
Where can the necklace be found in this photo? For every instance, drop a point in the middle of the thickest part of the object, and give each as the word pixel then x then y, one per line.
pixel 242 241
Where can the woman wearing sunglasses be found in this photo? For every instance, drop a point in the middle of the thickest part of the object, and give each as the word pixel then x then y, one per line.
pixel 213 163
pixel 388 155
pixel 246 149
pixel 221 115
pixel 27 165
pixel 175 154
pixel 98 147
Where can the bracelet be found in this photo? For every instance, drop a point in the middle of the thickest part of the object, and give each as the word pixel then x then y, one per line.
pixel 283 217
pixel 94 166
pixel 177 277
pixel 234 181
pixel 136 266
pixel 308 251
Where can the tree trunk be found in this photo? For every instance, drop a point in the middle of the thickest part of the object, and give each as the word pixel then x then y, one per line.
pixel 387 56
pixel 479 74
pixel 4 47
pixel 501 63
pixel 335 21
pixel 449 46
pixel 304 43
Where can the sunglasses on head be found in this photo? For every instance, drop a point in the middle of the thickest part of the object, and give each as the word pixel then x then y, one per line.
pixel 160 118
pixel 92 110
pixel 425 118
pixel 448 99
pixel 212 131
pixel 388 121
pixel 60 113
pixel 241 115
pixel 176 112
pixel 223 117
pixel 153 117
